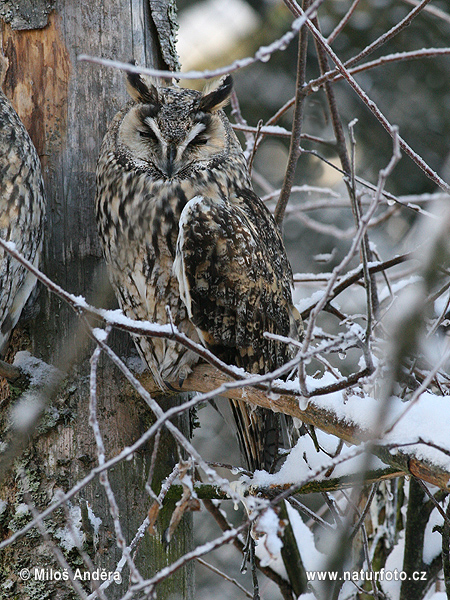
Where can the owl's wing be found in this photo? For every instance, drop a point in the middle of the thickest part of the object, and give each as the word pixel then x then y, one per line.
pixel 22 205
pixel 235 280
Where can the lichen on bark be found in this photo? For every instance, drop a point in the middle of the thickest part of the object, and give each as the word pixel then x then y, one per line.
pixel 29 14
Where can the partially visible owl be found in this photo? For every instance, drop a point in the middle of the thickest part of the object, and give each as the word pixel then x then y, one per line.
pixel 22 212
pixel 183 232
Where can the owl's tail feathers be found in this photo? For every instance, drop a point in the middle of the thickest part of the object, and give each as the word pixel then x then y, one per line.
pixel 258 433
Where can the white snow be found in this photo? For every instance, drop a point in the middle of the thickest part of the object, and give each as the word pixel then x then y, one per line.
pixel 399 286
pixel 440 304
pixel 26 412
pixel 313 560
pixel 275 130
pixel 432 545
pixel 94 521
pixel 422 422
pixel 305 303
pixel 304 461
pixel 420 426
pixel 394 561
pixel 268 527
pixel 71 536
pixel 80 301
pixel 117 317
pixel 38 371
pixel 100 334
pixel 21 509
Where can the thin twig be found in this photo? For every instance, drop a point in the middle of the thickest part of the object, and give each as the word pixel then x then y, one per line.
pixel 343 22
pixel 342 68
pixel 103 476
pixel 361 525
pixel 430 173
pixel 149 584
pixel 439 508
pixel 432 10
pixel 363 514
pixel 61 559
pixel 263 54
pixel 224 576
pixel 297 122
pixel 224 525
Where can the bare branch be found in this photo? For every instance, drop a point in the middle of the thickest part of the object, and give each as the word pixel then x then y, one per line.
pixel 432 10
pixel 263 54
pixel 299 105
pixel 343 22
pixel 225 576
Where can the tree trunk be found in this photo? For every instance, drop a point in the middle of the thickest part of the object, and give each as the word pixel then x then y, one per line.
pixel 66 106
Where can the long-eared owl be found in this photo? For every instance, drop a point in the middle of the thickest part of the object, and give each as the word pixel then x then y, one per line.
pixel 183 232
pixel 22 210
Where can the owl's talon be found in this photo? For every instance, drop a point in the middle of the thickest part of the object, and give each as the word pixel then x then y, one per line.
pixel 170 387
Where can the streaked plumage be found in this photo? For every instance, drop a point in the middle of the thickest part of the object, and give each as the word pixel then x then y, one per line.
pixel 22 209
pixel 181 227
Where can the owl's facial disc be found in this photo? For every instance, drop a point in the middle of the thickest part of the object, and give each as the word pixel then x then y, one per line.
pixel 171 142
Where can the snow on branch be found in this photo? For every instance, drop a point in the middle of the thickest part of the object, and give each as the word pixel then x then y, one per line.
pixel 263 54
pixel 388 402
pixel 334 406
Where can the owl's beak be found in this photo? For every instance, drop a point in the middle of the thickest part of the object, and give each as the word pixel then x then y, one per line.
pixel 171 156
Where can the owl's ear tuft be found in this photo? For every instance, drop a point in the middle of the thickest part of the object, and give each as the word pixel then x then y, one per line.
pixel 142 89
pixel 217 97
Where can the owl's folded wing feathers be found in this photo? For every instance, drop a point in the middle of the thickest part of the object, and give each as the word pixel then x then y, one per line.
pixel 236 281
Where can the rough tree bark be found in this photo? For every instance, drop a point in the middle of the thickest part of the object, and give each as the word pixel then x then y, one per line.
pixel 66 106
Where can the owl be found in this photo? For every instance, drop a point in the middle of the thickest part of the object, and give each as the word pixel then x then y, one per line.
pixel 188 241
pixel 22 212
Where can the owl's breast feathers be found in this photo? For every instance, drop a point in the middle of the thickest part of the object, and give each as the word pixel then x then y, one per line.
pixel 236 281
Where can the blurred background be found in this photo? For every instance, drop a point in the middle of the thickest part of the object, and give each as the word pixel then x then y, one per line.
pixel 412 94
pixel 319 224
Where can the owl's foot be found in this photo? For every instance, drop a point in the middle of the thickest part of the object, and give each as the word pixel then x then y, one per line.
pixel 170 387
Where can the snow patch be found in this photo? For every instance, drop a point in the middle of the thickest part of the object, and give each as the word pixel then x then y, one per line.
pixel 304 462
pixel 21 509
pixel 26 412
pixel 94 521
pixel 71 536
pixel 419 424
pixel 432 545
pixel 307 303
pixel 39 372
pixel 100 334
pixel 269 544
pixel 313 560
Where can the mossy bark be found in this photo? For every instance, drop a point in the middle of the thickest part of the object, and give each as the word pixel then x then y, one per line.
pixel 66 106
